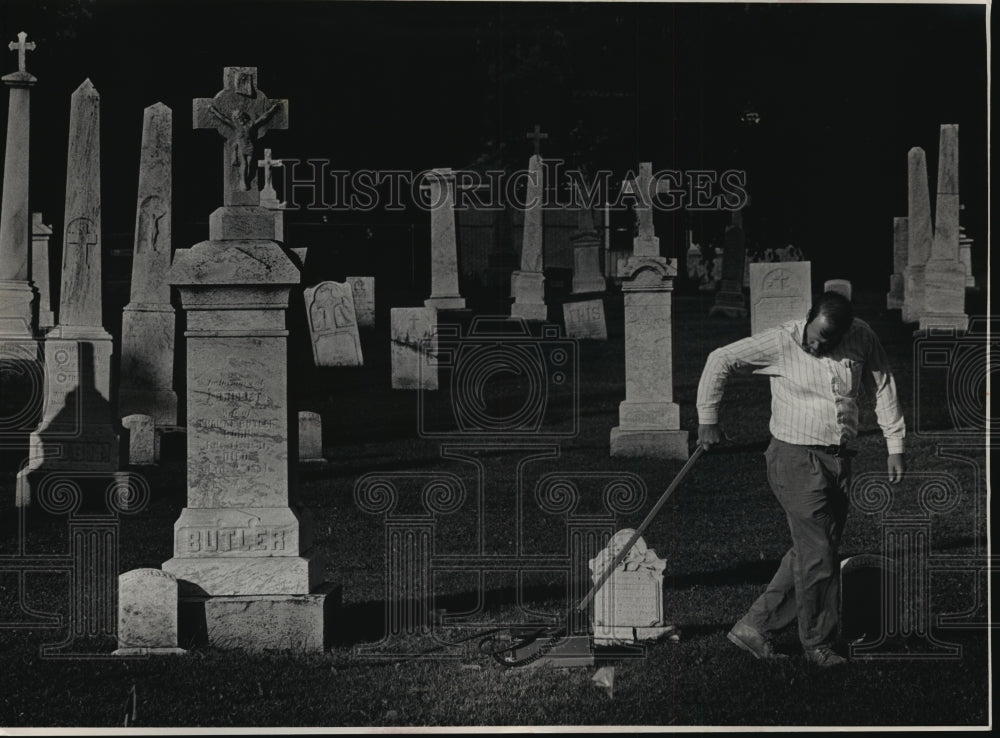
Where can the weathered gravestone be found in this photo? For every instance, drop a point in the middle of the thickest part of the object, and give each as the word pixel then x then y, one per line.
pixel 894 299
pixel 964 249
pixel 310 437
pixel 629 607
pixel 333 327
pixel 779 292
pixel 864 604
pixel 585 319
pixel 648 417
pixel 414 365
pixel 527 285
pixel 729 299
pixel 444 242
pixel 147 613
pixel 363 289
pixel 841 286
pixel 76 433
pixel 242 547
pixel 16 291
pixel 147 365
pixel 919 235
pixel 40 234
pixel 944 272
pixel 141 439
pixel 586 242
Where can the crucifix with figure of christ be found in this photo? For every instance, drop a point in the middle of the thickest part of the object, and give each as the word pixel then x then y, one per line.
pixel 242 114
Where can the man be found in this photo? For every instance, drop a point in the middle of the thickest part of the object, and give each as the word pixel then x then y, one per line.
pixel 816 366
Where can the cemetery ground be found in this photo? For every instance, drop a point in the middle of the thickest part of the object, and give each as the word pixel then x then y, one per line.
pixel 722 534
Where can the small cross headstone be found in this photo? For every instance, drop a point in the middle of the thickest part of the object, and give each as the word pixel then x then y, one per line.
pixel 414 365
pixel 242 114
pixel 268 197
pixel 333 327
pixel 629 607
pixel 22 46
pixel 778 292
pixel 537 137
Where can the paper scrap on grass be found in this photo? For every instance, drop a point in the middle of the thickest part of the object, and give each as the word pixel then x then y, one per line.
pixel 604 678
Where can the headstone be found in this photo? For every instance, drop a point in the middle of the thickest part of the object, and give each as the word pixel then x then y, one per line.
pixel 141 439
pixel 587 277
pixel 894 300
pixel 147 366
pixel 413 350
pixel 843 286
pixel 944 273
pixel 585 319
pixel 919 235
pixel 363 289
pixel 40 234
pixel 527 284
pixel 76 432
pixel 779 292
pixel 444 243
pixel 241 543
pixel 629 607
pixel 147 613
pixel 310 437
pixel 863 605
pixel 695 261
pixel 648 418
pixel 16 291
pixel 268 197
pixel 729 299
pixel 964 250
pixel 333 327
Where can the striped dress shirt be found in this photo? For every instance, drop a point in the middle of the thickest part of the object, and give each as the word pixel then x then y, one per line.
pixel 814 400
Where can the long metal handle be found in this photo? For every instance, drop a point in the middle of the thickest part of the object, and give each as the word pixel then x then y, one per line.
pixel 620 556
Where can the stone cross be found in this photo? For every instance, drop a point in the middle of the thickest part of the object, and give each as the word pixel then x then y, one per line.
pixel 267 163
pixel 536 136
pixel 22 47
pixel 241 113
pixel 641 188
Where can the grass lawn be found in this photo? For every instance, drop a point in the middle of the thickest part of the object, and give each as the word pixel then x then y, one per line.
pixel 722 535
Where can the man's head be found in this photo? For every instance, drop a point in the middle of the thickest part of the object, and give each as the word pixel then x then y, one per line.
pixel 829 319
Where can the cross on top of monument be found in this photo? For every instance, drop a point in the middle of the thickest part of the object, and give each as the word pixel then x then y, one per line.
pixel 241 113
pixel 22 47
pixel 536 136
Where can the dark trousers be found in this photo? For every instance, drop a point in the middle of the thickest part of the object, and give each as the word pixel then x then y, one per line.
pixel 812 487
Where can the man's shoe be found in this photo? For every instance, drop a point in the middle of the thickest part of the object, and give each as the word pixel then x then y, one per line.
pixel 824 656
pixel 756 643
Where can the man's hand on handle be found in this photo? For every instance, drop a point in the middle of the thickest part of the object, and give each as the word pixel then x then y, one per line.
pixel 709 435
pixel 895 465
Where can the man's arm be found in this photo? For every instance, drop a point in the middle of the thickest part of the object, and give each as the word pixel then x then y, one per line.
pixel 888 411
pixel 760 350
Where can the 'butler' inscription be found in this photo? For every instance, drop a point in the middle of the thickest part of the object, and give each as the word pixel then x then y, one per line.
pixel 232 540
pixel 238 432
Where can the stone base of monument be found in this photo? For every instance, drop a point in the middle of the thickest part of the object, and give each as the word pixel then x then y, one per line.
pixel 946 321
pixel 621 635
pixel 296 623
pixel 649 443
pixel 528 289
pixel 456 302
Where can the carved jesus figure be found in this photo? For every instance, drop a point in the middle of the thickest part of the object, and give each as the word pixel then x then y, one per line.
pixel 245 132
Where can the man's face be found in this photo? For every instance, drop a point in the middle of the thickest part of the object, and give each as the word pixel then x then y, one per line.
pixel 820 337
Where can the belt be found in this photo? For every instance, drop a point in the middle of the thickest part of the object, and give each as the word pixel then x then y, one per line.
pixel 841 450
